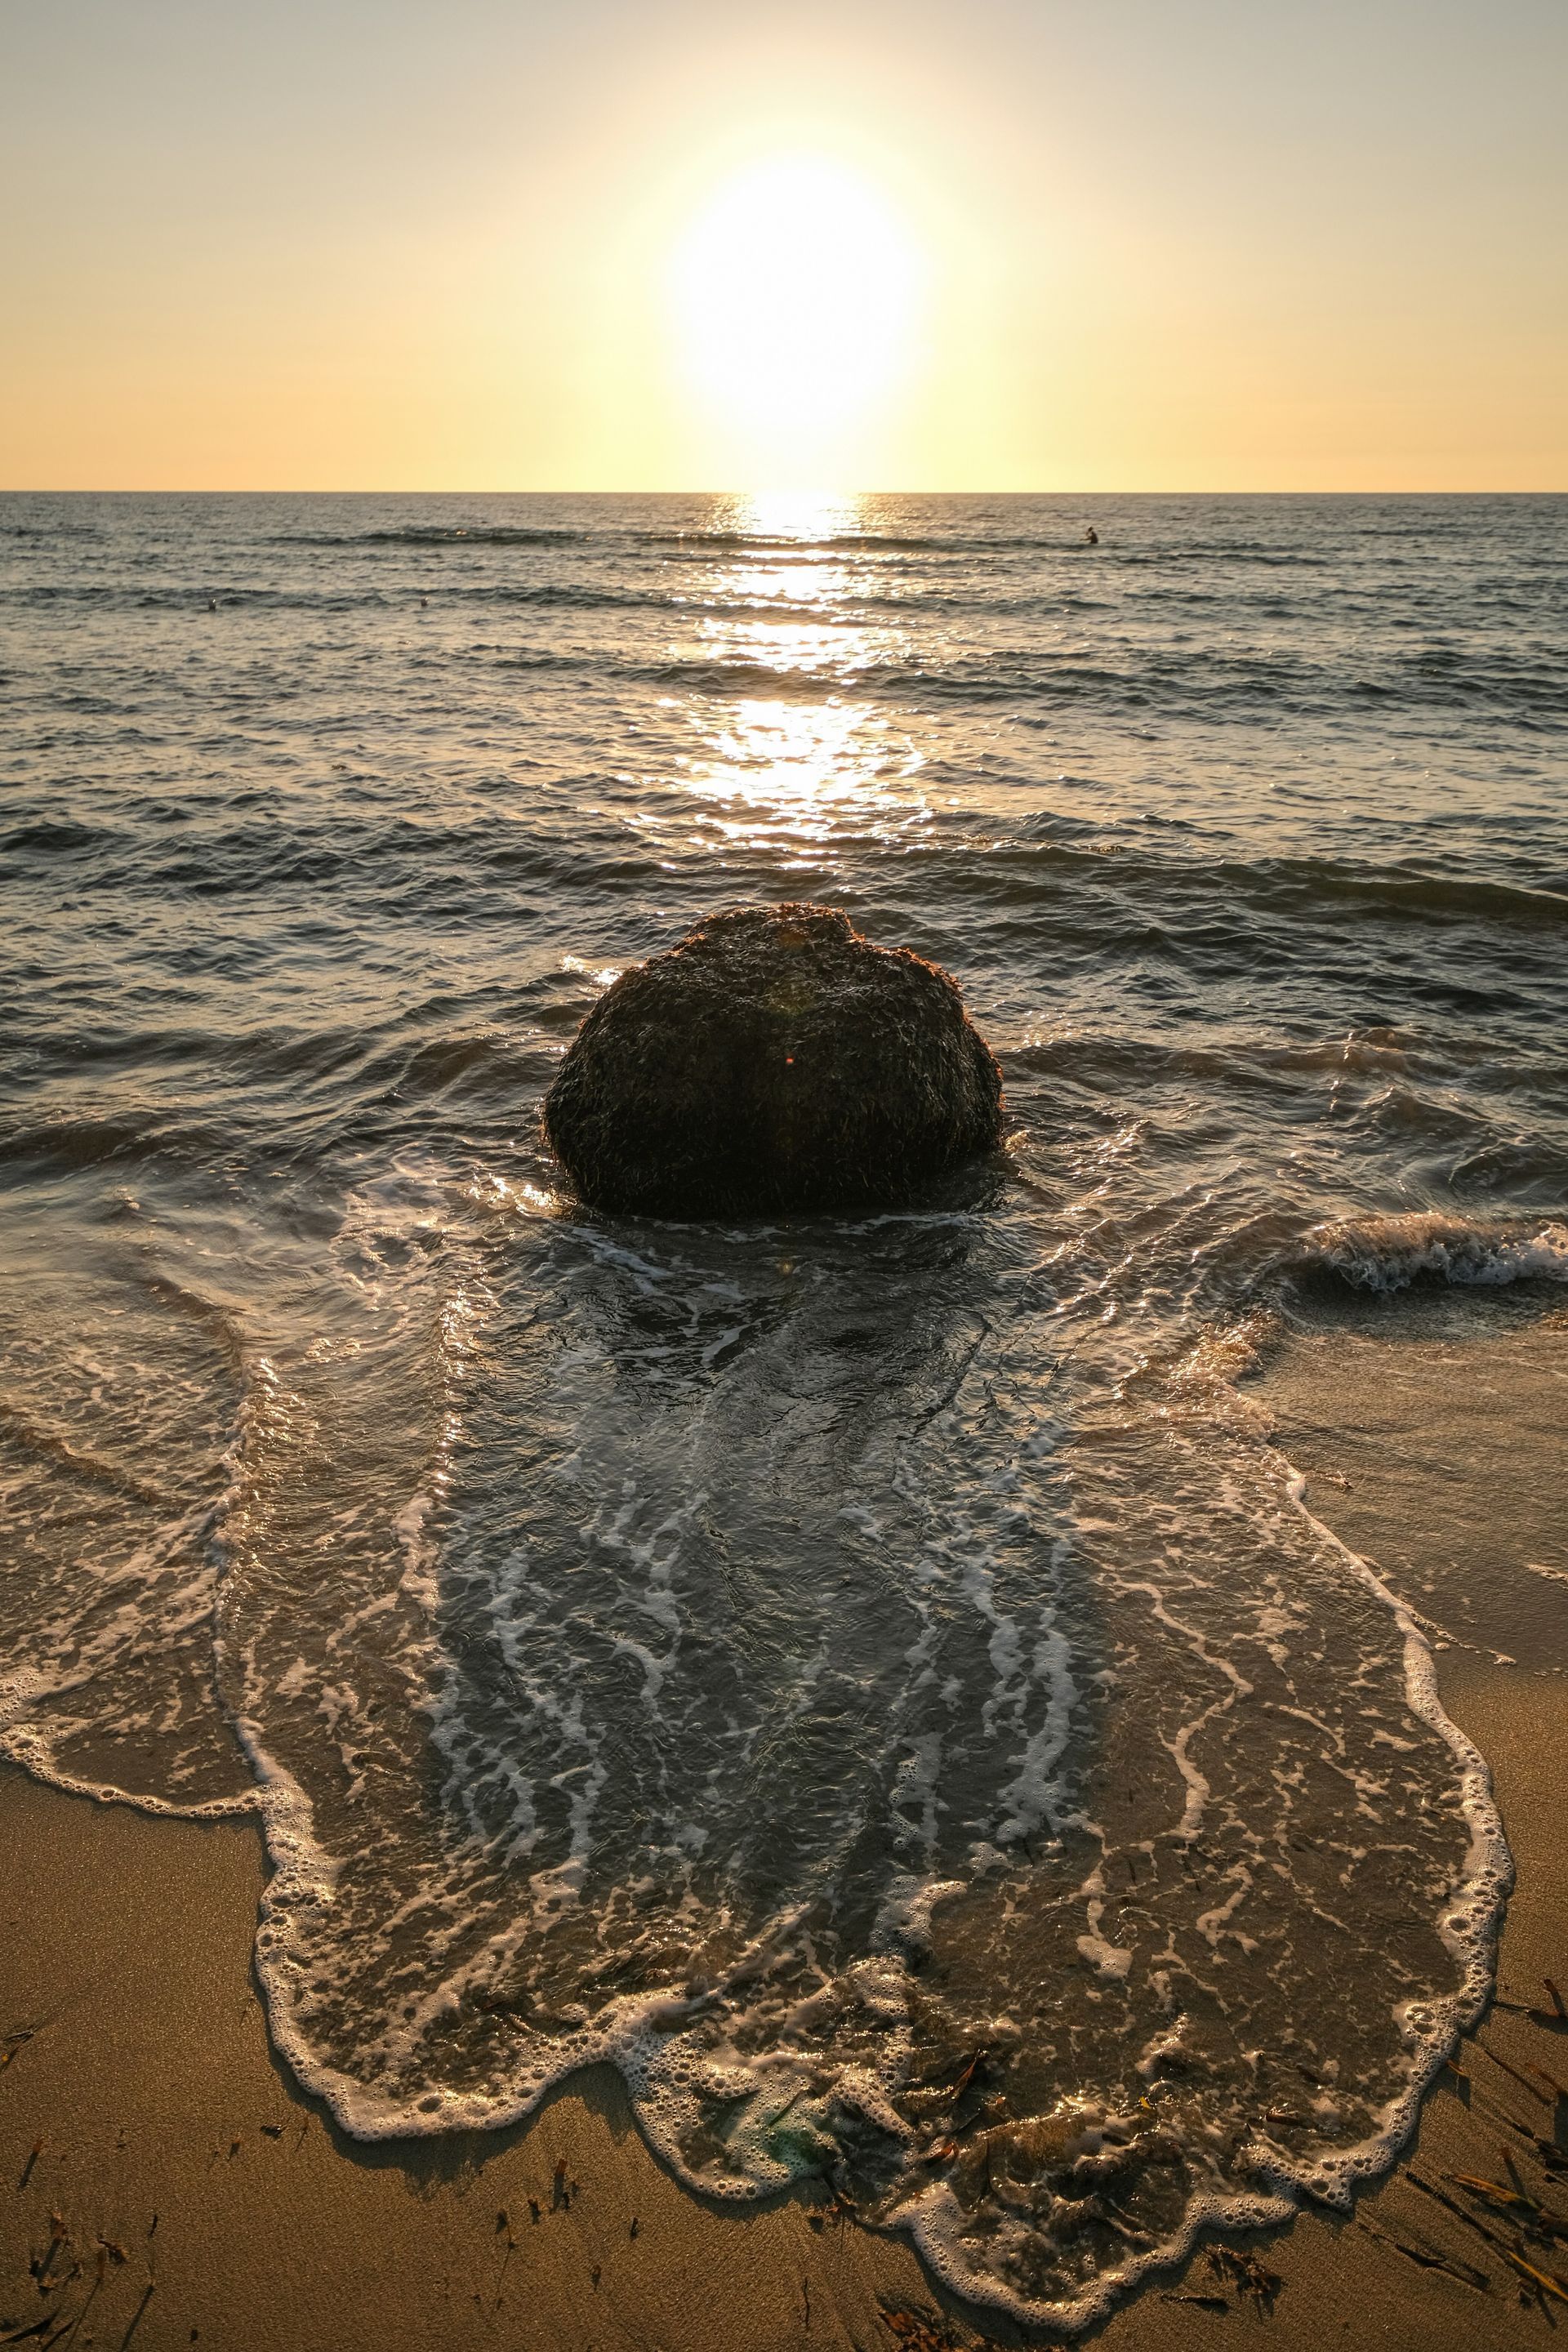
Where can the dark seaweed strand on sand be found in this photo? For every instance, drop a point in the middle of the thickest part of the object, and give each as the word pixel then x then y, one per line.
pixel 775 1060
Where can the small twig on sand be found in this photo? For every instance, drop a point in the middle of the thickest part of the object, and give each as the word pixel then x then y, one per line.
pixel 1541 2218
pixel 137 2315
pixel 503 2223
pixel 1544 2281
pixel 15 2045
pixel 1430 2189
pixel 1427 2259
pixel 1547 2098
pixel 68 2338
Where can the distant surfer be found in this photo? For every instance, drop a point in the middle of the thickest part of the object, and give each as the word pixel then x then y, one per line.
pixel 1091 537
pixel 212 603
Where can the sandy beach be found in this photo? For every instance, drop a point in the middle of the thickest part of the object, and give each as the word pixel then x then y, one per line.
pixel 164 2182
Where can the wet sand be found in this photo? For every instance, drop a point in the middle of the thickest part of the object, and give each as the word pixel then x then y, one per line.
pixel 163 2182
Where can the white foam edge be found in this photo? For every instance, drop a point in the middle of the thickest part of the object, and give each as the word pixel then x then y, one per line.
pixel 1469 1926
pixel 633 2033
pixel 26 1745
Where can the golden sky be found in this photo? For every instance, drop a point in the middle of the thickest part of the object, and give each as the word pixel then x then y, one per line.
pixel 987 245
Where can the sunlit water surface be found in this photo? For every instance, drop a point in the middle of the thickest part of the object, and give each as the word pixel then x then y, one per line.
pixel 874 1681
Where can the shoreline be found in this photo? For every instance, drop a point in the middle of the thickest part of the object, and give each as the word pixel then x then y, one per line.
pixel 203 2196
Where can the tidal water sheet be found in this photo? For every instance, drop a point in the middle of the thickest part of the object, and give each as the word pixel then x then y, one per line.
pixel 876 1682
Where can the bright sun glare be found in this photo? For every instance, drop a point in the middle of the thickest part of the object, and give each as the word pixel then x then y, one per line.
pixel 796 292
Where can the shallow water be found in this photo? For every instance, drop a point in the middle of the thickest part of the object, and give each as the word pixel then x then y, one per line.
pixel 876 1680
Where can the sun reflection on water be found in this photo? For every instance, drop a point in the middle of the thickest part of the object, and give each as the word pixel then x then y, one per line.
pixel 772 772
pixel 816 758
pixel 801 515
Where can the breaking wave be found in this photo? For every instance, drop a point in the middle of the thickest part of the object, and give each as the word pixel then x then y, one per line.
pixel 1387 1253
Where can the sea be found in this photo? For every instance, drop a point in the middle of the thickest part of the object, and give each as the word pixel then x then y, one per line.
pixel 876 1682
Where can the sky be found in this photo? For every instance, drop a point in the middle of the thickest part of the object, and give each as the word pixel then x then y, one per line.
pixel 647 245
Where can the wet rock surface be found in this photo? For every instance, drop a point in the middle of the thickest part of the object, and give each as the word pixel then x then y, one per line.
pixel 774 1060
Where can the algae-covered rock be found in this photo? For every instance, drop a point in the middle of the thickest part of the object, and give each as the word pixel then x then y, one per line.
pixel 774 1060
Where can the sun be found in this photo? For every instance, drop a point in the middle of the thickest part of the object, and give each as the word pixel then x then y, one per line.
pixel 795 295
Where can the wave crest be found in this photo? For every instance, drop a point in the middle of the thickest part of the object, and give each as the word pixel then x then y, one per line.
pixel 1388 1253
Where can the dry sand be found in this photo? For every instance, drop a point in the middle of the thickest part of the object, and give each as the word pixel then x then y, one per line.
pixel 163 2182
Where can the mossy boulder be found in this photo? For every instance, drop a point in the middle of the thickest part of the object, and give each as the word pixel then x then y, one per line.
pixel 774 1060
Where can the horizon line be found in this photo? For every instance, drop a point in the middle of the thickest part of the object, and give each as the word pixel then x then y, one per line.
pixel 245 491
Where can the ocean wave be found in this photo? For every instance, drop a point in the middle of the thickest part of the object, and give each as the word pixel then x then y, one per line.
pixel 1203 684
pixel 1388 1253
pixel 749 542
pixel 440 535
pixel 1068 542
pixel 54 836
